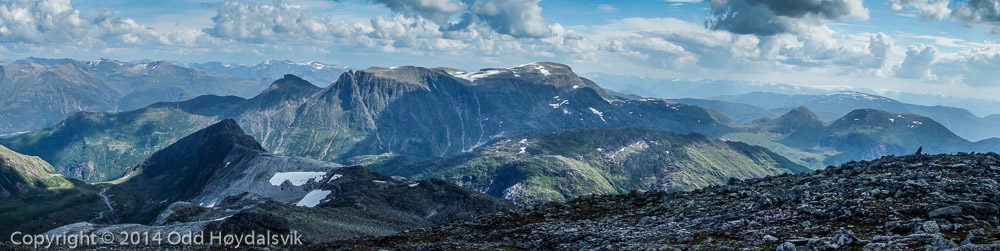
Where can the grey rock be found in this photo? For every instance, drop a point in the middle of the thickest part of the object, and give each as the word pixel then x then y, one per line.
pixel 931 227
pixel 770 239
pixel 787 246
pixel 949 211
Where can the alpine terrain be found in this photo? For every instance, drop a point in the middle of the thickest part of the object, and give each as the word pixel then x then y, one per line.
pixel 219 178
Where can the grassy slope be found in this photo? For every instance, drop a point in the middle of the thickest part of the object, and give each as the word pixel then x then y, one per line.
pixel 88 141
pixel 571 163
pixel 54 201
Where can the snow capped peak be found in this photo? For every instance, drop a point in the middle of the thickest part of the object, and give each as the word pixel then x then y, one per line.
pixel 856 96
pixel 536 66
pixel 542 68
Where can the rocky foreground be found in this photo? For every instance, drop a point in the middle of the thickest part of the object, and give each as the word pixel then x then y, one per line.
pixel 931 202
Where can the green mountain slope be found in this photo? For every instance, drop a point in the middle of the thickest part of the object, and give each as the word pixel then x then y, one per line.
pixel 34 198
pixel 100 146
pixel 24 176
pixel 570 163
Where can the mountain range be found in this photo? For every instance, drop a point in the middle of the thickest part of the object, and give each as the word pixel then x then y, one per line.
pixel 220 178
pixel 863 134
pixel 428 146
pixel 832 106
pixel 702 88
pixel 367 112
pixel 442 118
pixel 315 72
pixel 41 92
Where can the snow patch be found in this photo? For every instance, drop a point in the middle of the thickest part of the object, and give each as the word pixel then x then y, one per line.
pixel 297 178
pixel 560 104
pixel 335 177
pixel 312 198
pixel 543 70
pixel 523 150
pixel 892 120
pixel 599 113
pixel 473 76
pixel 856 96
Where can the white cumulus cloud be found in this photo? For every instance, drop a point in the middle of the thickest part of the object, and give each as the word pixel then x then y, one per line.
pixel 55 22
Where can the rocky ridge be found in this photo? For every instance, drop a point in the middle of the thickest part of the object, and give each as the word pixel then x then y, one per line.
pixel 933 202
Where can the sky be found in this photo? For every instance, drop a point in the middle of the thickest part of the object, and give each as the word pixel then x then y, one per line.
pixel 939 47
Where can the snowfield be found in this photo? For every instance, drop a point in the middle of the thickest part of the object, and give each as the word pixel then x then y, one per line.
pixel 297 178
pixel 313 198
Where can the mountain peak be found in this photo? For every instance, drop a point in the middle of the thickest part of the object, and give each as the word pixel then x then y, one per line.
pixel 799 113
pixel 800 109
pixel 214 141
pixel 292 83
pixel 290 87
pixel 180 171
pixel 226 133
pixel 228 126
pixel 798 126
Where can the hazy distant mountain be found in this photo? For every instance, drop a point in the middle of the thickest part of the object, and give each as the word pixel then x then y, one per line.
pixel 680 88
pixel 36 92
pixel 740 113
pixel 979 107
pixel 862 134
pixel 315 72
pixel 416 112
pixel 570 163
pixel 832 106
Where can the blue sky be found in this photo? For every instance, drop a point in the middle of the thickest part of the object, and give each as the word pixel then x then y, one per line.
pixel 924 46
